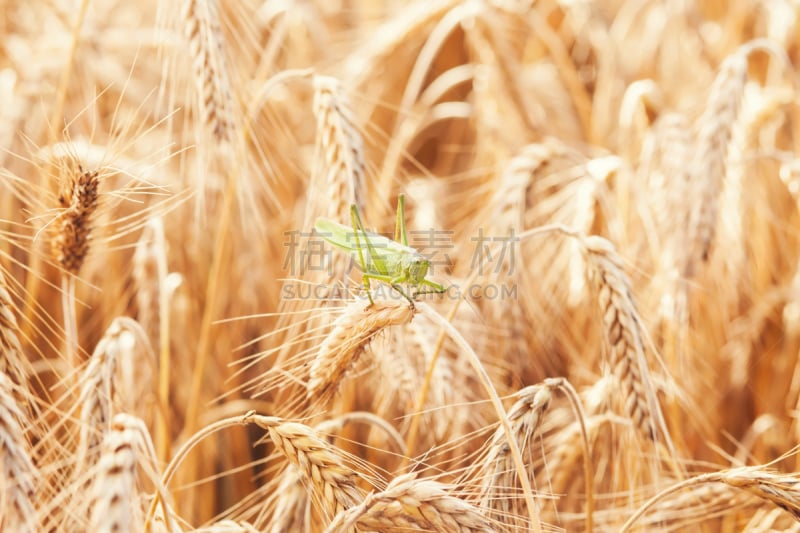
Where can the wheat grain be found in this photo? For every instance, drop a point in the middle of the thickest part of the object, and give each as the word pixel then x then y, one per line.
pixel 510 200
pixel 692 507
pixel 498 470
pixel 780 489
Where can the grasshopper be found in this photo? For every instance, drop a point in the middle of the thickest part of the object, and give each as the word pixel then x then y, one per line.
pixel 390 261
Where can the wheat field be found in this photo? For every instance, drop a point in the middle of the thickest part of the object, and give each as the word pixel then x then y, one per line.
pixel 609 191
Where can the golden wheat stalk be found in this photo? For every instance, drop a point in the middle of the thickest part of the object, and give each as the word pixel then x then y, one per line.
pixel 509 202
pixel 17 486
pixel 624 334
pixel 669 181
pixel 498 487
pixel 12 359
pixel 150 271
pixel 409 504
pixel 504 218
pixel 289 506
pixel 338 179
pixel 687 509
pixel 485 381
pixel 341 165
pixel 350 335
pixel 206 46
pixel 715 128
pixel 668 149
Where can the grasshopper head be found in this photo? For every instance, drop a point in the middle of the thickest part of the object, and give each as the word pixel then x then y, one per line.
pixel 417 268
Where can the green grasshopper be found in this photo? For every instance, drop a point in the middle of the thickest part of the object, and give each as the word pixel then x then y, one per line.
pixel 381 258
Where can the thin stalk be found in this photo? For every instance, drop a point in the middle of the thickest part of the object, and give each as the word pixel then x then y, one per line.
pixel 422 396
pixel 666 492
pixel 574 399
pixel 33 281
pixel 187 447
pixel 480 371
pixel 163 441
pixel 70 320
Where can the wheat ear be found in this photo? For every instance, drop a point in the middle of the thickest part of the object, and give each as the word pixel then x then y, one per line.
pixel 333 483
pixel 114 496
pixel 624 333
pixel 16 467
pixel 291 508
pixel 410 504
pixel 321 465
pixel 338 179
pixel 715 127
pixel 341 146
pixel 78 199
pixel 150 271
pixel 524 416
pixel 351 333
pixel 97 388
pixel 204 34
pixel 779 489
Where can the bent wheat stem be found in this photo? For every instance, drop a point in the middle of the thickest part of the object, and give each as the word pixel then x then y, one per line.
pixel 483 376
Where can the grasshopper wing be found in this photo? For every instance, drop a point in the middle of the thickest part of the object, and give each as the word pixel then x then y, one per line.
pixel 337 234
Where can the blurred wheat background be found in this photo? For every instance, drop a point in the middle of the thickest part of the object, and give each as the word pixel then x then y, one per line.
pixel 610 189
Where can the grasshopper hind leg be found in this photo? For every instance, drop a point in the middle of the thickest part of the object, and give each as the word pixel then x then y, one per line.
pixel 405 295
